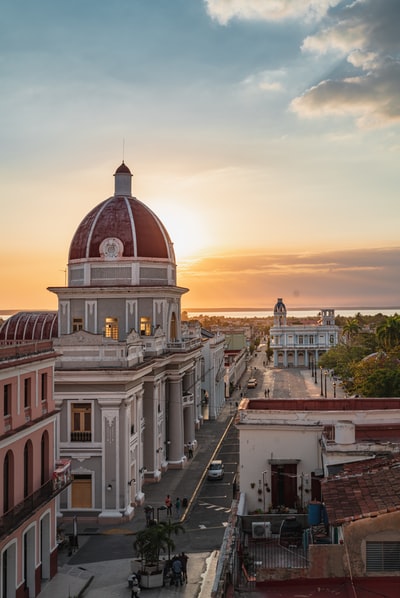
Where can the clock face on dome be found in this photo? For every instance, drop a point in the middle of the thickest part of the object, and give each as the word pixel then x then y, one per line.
pixel 111 248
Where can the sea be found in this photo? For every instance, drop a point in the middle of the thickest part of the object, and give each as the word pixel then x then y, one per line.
pixel 295 313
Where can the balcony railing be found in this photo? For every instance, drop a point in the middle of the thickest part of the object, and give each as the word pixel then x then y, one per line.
pixel 81 437
pixel 13 518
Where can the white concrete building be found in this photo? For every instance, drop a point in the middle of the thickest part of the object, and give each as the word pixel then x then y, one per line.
pixel 288 445
pixel 301 345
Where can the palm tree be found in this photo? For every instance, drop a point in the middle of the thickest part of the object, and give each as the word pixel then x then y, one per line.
pixel 172 528
pixel 388 333
pixel 350 329
pixel 150 542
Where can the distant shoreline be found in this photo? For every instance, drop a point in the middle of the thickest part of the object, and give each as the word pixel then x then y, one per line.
pixel 291 308
pixel 227 310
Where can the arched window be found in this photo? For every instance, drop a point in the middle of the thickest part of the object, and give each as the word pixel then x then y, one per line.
pixel 28 468
pixel 8 482
pixel 44 458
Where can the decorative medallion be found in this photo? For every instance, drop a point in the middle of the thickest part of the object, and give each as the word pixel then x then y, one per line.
pixel 111 248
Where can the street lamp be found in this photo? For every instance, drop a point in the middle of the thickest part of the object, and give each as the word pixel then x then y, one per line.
pixel 315 373
pixel 334 390
pixel 322 389
pixel 326 373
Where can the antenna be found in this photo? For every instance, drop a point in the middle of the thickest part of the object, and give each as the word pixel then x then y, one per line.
pixel 123 149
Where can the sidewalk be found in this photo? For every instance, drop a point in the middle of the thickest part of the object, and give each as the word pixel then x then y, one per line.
pixel 87 573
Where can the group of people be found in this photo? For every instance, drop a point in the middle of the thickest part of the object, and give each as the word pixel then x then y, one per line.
pixel 179 504
pixel 176 570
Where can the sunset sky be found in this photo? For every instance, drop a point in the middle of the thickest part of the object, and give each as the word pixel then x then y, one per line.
pixel 265 134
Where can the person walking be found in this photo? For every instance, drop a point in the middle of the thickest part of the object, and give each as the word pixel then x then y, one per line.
pixel 178 507
pixel 177 571
pixel 168 504
pixel 184 559
pixel 190 450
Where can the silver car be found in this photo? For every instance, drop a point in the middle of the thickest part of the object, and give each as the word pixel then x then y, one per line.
pixel 216 470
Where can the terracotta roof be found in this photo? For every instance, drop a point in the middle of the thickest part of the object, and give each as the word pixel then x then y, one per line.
pixel 30 325
pixel 363 489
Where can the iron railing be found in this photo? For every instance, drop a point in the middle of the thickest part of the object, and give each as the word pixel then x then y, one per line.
pixel 13 518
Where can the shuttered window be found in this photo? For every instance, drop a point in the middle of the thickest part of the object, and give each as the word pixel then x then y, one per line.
pixel 383 556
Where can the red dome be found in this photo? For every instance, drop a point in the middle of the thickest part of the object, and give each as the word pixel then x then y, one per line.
pixel 29 326
pixel 138 231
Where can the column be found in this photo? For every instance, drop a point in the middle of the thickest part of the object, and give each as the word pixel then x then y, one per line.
pixel 175 422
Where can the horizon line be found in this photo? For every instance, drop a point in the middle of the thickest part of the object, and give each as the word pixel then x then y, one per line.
pixel 295 308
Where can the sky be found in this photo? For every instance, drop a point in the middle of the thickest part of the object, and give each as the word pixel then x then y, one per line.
pixel 265 134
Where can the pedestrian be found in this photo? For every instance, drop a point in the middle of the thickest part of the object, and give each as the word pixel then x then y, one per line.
pixel 177 571
pixel 268 392
pixel 178 507
pixel 190 450
pixel 184 503
pixel 184 559
pixel 265 393
pixel 148 512
pixel 168 504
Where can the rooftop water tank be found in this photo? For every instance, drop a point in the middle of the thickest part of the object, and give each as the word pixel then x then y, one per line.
pixel 345 432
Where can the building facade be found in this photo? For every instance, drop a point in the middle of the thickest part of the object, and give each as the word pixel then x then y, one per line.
pixel 31 476
pixel 130 378
pixel 295 345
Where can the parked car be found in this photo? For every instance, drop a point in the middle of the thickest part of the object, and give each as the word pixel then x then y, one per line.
pixel 252 383
pixel 216 470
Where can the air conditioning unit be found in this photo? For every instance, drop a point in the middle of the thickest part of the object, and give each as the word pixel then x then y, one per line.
pixel 261 529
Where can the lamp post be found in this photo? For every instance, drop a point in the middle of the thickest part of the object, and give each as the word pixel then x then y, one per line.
pixel 334 390
pixel 326 373
pixel 312 366
pixel 322 390
pixel 315 373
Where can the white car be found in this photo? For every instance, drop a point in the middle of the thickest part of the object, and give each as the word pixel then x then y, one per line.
pixel 216 470
pixel 252 383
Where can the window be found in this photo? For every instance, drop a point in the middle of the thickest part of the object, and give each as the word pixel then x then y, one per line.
pixel 331 339
pixel 383 556
pixel 311 340
pixel 81 422
pixel 111 329
pixel 301 340
pixel 43 388
pixel 27 393
pixel 77 324
pixel 7 400
pixel 145 326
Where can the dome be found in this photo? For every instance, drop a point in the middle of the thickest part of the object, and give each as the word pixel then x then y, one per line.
pixel 121 228
pixel 30 326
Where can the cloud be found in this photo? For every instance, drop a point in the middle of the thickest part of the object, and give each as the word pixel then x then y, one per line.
pixel 267 10
pixel 266 81
pixel 371 99
pixel 365 32
pixel 361 33
pixel 369 277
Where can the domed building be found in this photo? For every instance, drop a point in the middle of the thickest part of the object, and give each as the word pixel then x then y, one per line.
pixel 128 375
